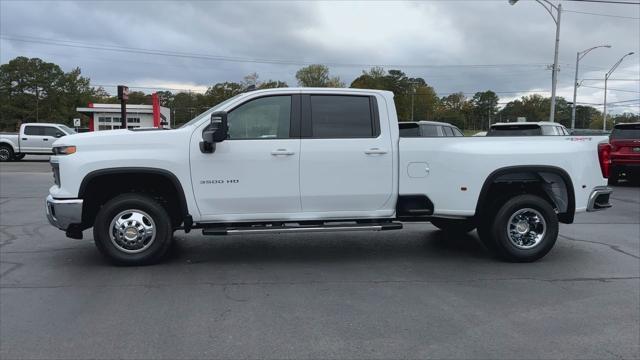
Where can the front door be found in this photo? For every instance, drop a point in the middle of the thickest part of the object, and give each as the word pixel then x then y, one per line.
pixel 254 174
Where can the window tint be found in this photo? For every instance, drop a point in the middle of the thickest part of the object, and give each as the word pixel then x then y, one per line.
pixel 33 130
pixel 456 132
pixel 341 117
pixel 549 130
pixel 263 118
pixel 430 130
pixel 626 131
pixel 514 130
pixel 447 131
pixel 51 131
pixel 409 130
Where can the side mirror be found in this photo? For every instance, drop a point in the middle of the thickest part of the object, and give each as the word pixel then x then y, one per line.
pixel 59 135
pixel 216 132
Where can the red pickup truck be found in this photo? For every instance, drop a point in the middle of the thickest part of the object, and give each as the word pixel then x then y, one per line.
pixel 625 152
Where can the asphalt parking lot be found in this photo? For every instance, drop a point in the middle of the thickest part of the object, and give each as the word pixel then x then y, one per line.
pixel 415 293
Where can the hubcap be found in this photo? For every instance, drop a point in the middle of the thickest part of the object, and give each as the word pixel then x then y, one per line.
pixel 4 154
pixel 132 231
pixel 526 228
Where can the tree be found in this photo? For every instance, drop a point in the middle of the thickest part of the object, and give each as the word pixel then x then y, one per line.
pixel 454 109
pixel 413 96
pixel 317 76
pixel 485 108
pixel 34 90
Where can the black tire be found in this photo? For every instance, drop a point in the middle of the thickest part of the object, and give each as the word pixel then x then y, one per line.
pixel 530 208
pixel 6 153
pixel 460 226
pixel 119 249
pixel 18 157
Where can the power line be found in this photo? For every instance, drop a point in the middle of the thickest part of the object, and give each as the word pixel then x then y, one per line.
pixel 601 88
pixel 607 15
pixel 608 2
pixel 76 44
pixel 612 79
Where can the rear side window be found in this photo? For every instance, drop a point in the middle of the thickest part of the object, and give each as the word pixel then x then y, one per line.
pixel 430 130
pixel 549 130
pixel 447 131
pixel 626 132
pixel 337 116
pixel 457 132
pixel 33 130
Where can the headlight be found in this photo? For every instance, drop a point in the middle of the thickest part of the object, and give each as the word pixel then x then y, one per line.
pixel 64 150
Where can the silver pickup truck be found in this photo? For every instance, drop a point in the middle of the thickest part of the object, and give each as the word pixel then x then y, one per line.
pixel 33 138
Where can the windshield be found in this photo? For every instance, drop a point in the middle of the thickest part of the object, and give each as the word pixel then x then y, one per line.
pixel 67 129
pixel 626 132
pixel 208 112
pixel 514 130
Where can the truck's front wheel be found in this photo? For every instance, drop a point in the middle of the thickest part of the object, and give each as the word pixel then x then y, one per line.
pixel 132 229
pixel 524 229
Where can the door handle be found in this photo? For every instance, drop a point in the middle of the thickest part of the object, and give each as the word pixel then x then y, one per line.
pixel 24 139
pixel 282 152
pixel 45 139
pixel 375 151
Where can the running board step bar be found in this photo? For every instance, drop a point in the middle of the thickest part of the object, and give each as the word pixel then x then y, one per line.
pixel 300 228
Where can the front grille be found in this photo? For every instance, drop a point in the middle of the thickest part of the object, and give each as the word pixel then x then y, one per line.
pixel 55 168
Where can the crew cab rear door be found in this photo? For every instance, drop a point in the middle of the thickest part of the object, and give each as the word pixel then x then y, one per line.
pixel 346 163
pixel 254 173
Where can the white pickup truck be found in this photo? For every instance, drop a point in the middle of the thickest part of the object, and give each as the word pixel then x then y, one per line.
pixel 33 138
pixel 304 160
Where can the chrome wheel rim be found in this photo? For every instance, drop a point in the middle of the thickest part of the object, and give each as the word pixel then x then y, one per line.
pixel 4 154
pixel 526 228
pixel 132 231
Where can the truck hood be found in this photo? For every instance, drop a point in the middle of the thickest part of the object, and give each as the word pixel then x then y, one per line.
pixel 127 138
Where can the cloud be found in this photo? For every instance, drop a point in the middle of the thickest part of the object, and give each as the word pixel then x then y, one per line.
pixel 436 33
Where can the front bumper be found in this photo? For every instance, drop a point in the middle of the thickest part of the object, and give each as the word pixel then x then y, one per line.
pixel 599 198
pixel 62 213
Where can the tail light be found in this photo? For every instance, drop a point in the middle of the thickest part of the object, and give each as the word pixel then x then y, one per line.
pixel 604 155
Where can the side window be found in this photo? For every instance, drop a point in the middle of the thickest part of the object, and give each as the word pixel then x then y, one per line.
pixel 51 131
pixel 33 130
pixel 562 131
pixel 429 130
pixel 262 118
pixel 549 130
pixel 337 116
pixel 447 131
pixel 456 132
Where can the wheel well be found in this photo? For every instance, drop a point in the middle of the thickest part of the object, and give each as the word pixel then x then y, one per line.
pixel 99 187
pixel 550 183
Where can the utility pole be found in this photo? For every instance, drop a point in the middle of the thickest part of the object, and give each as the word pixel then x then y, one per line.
pixel 413 94
pixel 606 79
pixel 554 73
pixel 579 56
pixel 123 95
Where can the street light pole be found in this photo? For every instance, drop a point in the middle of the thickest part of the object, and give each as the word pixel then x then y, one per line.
pixel 554 73
pixel 606 78
pixel 579 56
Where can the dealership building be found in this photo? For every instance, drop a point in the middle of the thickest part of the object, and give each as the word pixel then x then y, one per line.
pixel 108 116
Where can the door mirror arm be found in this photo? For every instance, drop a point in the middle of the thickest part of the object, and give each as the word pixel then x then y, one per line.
pixel 216 132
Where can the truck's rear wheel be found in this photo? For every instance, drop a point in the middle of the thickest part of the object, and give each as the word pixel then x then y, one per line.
pixel 454 225
pixel 132 229
pixel 524 229
pixel 6 153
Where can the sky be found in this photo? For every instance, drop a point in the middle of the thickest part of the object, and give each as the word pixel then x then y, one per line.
pixel 455 45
